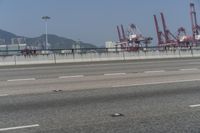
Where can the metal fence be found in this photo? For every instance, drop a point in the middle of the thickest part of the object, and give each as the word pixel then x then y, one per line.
pixel 93 54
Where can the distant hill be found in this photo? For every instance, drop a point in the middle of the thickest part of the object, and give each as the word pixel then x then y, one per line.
pixel 55 41
pixel 7 36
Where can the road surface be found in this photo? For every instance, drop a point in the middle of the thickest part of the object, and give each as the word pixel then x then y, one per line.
pixel 152 96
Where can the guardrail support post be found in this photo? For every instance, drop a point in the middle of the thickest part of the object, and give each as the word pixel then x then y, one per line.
pixel 124 56
pixel 15 60
pixel 73 53
pixel 191 51
pixel 54 57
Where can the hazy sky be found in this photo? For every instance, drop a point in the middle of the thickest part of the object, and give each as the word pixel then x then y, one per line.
pixel 92 21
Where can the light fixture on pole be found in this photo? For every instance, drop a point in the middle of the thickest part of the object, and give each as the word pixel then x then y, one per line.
pixel 46 18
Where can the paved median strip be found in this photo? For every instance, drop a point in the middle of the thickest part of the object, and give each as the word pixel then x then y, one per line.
pixel 16 80
pixel 76 76
pixel 114 74
pixel 194 106
pixel 19 127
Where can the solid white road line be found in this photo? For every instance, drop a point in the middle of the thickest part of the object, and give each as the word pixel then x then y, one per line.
pixel 76 76
pixel 156 83
pixel 194 106
pixel 190 69
pixel 3 95
pixel 114 74
pixel 19 127
pixel 160 71
pixel 15 80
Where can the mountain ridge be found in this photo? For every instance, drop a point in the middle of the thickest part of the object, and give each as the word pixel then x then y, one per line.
pixel 55 41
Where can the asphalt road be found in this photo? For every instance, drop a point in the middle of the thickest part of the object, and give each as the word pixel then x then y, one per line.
pixel 152 108
pixel 89 69
pixel 152 96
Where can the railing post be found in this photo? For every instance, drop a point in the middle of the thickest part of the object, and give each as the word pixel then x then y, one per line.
pixel 124 56
pixel 191 48
pixel 54 57
pixel 15 60
pixel 73 53
pixel 145 51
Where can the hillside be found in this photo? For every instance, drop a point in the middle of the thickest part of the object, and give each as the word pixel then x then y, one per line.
pixel 55 41
pixel 7 36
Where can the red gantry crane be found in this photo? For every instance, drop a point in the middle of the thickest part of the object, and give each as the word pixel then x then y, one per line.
pixel 160 35
pixel 133 39
pixel 183 39
pixel 195 26
pixel 165 38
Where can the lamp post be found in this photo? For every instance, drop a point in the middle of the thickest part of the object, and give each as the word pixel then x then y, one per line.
pixel 46 18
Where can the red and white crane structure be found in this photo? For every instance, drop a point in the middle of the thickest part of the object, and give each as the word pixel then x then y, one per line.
pixel 165 37
pixel 133 39
pixel 195 26
pixel 184 40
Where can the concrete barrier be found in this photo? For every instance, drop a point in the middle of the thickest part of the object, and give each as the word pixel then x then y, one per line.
pixel 91 57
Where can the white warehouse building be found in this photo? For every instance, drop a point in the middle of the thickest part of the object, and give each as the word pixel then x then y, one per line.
pixel 112 46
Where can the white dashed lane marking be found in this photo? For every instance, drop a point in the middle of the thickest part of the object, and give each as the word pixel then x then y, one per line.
pixel 194 106
pixel 76 76
pixel 190 69
pixel 114 74
pixel 3 95
pixel 159 71
pixel 19 127
pixel 17 80
pixel 156 83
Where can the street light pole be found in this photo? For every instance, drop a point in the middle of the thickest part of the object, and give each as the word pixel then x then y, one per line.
pixel 46 18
